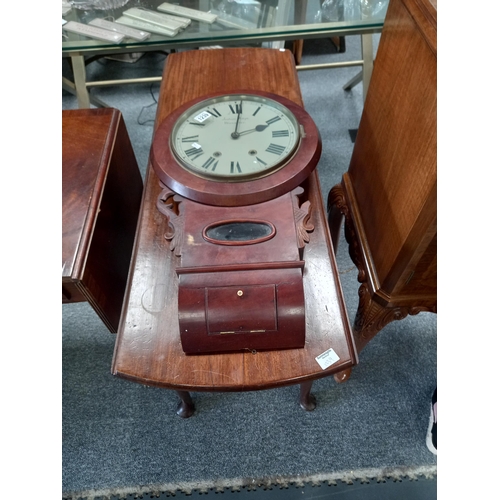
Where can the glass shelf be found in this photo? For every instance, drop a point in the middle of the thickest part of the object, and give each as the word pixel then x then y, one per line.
pixel 238 22
pixel 258 21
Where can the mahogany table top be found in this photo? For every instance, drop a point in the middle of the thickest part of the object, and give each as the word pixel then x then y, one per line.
pixel 85 158
pixel 148 348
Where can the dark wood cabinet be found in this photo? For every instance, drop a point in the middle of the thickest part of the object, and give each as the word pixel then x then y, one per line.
pixel 388 195
pixel 101 196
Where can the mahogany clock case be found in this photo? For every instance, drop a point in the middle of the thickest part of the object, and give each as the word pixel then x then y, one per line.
pixel 239 295
pixel 248 192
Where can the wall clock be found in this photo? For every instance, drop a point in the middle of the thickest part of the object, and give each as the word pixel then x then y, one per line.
pixel 231 165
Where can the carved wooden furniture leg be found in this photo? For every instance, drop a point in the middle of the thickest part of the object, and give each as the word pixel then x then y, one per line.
pixel 335 214
pixel 186 406
pixel 337 210
pixel 307 400
pixel 371 316
pixel 337 207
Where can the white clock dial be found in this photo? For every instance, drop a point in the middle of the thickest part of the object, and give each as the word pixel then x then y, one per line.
pixel 235 137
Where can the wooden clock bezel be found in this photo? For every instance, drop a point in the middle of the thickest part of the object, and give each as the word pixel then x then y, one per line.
pixel 246 192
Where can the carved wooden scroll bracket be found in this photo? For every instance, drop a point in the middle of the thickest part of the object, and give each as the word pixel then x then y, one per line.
pixel 170 205
pixel 336 200
pixel 302 214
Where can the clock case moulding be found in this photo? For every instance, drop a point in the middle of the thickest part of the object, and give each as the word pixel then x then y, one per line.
pixel 246 192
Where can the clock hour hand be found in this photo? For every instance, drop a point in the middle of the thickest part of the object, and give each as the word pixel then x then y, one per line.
pixel 258 128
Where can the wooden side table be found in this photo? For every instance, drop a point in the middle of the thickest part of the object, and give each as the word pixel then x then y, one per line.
pixel 148 347
pixel 101 195
pixel 389 193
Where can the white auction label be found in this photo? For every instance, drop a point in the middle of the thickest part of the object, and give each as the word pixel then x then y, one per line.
pixel 328 358
pixel 204 115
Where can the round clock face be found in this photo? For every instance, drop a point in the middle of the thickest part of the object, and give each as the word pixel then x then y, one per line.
pixel 234 149
pixel 233 138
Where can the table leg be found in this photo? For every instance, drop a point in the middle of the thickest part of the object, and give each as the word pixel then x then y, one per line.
pixel 367 54
pixel 299 17
pixel 307 400
pixel 70 87
pixel 185 409
pixel 82 94
pixel 342 376
pixel 366 73
pixel 275 16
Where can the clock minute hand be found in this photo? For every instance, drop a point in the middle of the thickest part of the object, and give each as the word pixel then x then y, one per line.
pixel 235 134
pixel 258 128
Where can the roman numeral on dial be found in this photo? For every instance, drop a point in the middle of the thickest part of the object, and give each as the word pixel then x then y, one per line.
pixel 210 162
pixel 275 149
pixel 281 133
pixel 191 138
pixel 235 166
pixel 272 120
pixel 194 153
pixel 236 110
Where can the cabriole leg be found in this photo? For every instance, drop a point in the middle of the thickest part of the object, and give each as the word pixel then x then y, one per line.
pixel 186 407
pixel 307 400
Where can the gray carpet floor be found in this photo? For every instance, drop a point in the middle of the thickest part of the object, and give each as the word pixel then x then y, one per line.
pixel 120 437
